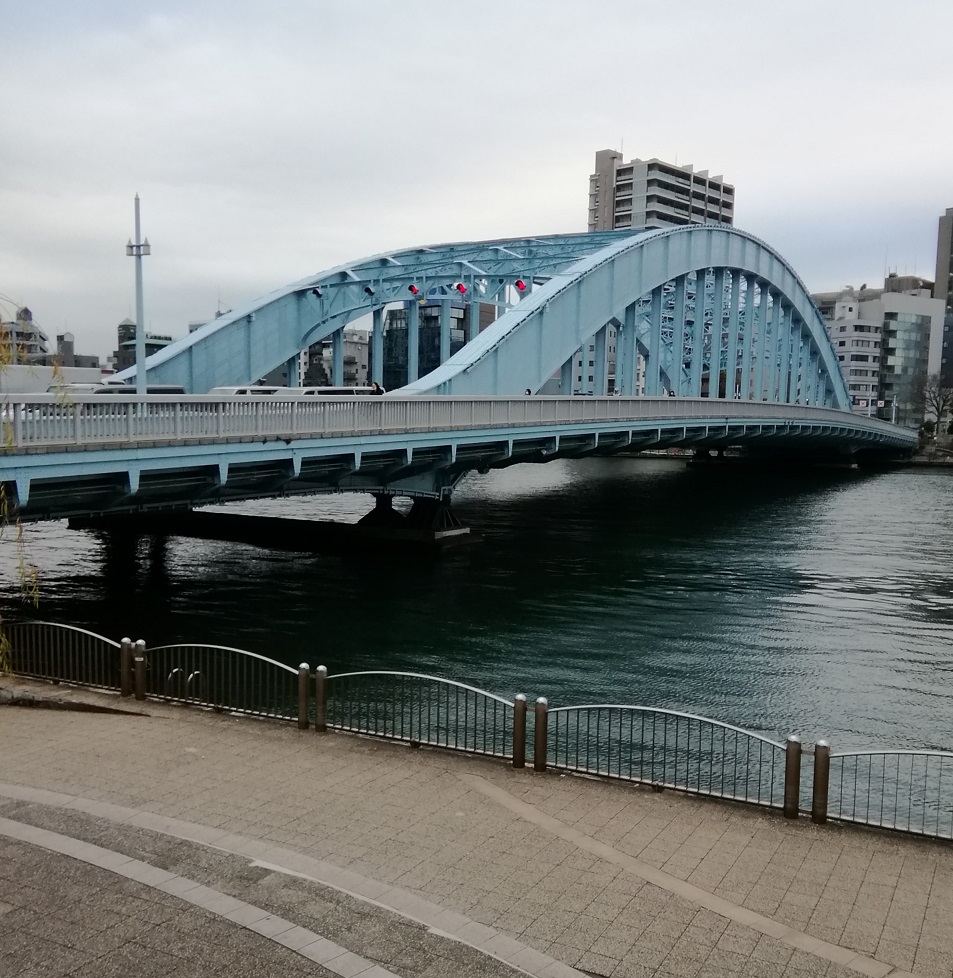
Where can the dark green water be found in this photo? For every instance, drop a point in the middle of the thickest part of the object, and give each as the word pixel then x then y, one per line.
pixel 818 604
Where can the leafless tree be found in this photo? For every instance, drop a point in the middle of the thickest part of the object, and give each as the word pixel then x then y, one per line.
pixel 937 399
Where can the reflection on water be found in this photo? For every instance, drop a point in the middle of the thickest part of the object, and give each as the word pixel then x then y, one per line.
pixel 818 603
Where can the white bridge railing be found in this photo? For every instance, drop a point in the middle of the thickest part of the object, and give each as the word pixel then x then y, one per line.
pixel 47 421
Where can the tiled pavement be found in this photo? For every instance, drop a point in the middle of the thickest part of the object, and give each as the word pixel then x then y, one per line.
pixel 611 880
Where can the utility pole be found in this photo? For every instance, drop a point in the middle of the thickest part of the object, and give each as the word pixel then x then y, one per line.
pixel 137 250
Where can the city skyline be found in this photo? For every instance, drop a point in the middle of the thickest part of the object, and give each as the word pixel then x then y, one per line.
pixel 269 144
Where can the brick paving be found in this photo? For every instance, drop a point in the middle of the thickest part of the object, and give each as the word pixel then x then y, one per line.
pixel 608 879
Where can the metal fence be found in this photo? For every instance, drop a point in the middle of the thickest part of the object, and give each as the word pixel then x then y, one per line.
pixel 46 650
pixel 911 791
pixel 223 678
pixel 419 709
pixel 908 791
pixel 667 749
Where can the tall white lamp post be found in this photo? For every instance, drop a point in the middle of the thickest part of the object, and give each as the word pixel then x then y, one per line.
pixel 137 250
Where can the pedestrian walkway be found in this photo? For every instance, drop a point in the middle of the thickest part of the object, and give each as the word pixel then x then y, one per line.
pixel 548 874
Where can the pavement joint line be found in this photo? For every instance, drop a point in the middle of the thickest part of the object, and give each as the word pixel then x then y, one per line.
pixel 276 929
pixel 438 920
pixel 834 953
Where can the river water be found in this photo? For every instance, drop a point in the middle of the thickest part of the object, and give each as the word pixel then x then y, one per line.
pixel 818 604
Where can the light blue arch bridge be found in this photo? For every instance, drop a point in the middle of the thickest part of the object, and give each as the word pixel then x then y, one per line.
pixel 708 314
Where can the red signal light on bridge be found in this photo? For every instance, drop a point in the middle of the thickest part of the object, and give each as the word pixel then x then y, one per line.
pixel 460 287
pixel 520 285
pixel 413 290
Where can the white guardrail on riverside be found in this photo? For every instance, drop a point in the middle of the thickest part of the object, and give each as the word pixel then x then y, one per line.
pixel 46 421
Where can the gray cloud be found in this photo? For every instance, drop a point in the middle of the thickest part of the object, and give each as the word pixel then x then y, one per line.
pixel 269 141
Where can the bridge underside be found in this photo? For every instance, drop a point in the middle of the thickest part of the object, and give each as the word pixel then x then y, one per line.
pixel 427 465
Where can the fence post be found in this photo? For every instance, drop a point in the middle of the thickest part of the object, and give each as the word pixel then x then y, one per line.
pixel 540 738
pixel 321 700
pixel 519 730
pixel 822 776
pixel 304 675
pixel 139 662
pixel 125 667
pixel 792 777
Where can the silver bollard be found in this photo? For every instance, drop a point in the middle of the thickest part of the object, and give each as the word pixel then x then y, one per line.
pixel 540 738
pixel 304 676
pixel 125 667
pixel 822 777
pixel 519 730
pixel 792 777
pixel 139 664
pixel 321 700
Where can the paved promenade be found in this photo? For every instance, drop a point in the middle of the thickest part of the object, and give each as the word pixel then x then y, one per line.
pixel 184 842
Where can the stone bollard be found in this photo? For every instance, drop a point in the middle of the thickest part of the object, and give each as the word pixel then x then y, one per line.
pixel 321 700
pixel 125 667
pixel 139 666
pixel 519 730
pixel 540 734
pixel 304 677
pixel 792 777
pixel 822 777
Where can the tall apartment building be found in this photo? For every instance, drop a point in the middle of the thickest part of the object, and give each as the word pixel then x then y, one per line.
pixel 644 194
pixel 943 291
pixel 887 341
pixel 653 194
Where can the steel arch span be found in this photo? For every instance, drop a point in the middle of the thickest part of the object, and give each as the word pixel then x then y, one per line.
pixel 245 344
pixel 711 311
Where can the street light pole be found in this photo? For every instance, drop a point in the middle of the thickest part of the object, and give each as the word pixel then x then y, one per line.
pixel 137 250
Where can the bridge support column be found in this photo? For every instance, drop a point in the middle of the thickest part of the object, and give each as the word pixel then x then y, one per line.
pixel 413 341
pixel 473 332
pixel 599 370
pixel 565 377
pixel 717 333
pixel 761 347
pixel 731 361
pixel 748 338
pixel 677 369
pixel 337 358
pixel 698 334
pixel 653 362
pixel 773 381
pixel 446 319
pixel 377 346
pixel 628 351
pixel 291 372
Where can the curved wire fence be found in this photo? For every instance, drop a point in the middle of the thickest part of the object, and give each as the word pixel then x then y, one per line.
pixel 223 678
pixel 63 653
pixel 911 791
pixel 667 749
pixel 422 710
pixel 908 791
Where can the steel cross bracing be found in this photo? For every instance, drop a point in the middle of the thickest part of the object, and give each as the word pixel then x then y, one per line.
pixel 762 338
pixel 772 348
pixel 246 343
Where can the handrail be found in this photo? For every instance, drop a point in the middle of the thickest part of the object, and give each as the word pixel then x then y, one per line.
pixel 673 713
pixel 892 752
pixel 72 628
pixel 224 648
pixel 420 675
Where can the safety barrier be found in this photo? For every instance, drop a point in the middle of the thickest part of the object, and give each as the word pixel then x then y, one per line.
pixel 907 791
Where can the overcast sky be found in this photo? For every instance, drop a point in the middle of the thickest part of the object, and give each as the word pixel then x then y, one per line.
pixel 269 141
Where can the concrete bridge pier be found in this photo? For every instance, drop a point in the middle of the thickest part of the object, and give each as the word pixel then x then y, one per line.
pixel 431 522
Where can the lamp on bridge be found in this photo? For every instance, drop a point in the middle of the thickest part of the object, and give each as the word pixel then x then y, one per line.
pixel 413 290
pixel 317 293
pixel 136 251
pixel 368 290
pixel 460 287
pixel 520 285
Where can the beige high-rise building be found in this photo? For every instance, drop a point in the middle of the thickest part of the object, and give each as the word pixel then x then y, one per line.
pixel 653 194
